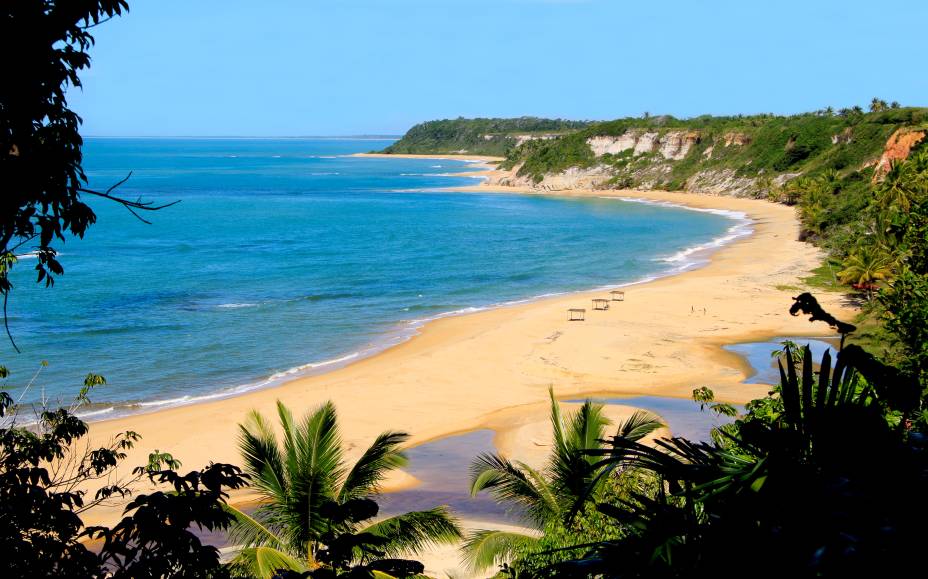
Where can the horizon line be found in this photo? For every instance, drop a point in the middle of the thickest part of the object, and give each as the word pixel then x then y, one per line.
pixel 372 137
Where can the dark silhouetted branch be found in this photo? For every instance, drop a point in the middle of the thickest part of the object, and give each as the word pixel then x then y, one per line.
pixel 131 206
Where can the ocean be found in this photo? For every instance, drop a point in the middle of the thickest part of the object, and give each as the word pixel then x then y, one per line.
pixel 288 256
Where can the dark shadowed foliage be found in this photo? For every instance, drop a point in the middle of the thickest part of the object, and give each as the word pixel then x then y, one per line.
pixel 828 481
pixel 44 46
pixel 50 476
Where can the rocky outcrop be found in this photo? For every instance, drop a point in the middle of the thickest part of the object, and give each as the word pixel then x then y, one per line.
pixel 647 143
pixel 720 182
pixel 677 144
pixel 671 145
pixel 612 145
pixel 737 139
pixel 522 139
pixel 898 147
pixel 573 178
pixel 842 138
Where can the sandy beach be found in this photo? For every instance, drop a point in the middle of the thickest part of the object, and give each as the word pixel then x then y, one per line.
pixel 474 371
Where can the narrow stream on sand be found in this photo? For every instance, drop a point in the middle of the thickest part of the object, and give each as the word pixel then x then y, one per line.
pixel 441 466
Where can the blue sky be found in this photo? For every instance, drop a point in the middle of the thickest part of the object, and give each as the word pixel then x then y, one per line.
pixel 341 67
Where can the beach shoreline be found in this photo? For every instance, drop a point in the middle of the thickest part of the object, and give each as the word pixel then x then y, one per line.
pixel 460 371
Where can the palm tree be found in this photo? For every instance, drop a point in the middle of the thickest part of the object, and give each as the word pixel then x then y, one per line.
pixel 547 496
pixel 866 265
pixel 877 105
pixel 301 476
pixel 830 179
pixel 898 187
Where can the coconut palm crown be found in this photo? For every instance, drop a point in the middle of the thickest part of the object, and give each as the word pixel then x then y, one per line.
pixel 551 494
pixel 301 475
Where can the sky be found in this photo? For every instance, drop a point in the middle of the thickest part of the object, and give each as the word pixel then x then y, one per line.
pixel 350 67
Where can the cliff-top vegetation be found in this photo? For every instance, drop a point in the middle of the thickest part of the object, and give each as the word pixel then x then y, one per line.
pixel 478 136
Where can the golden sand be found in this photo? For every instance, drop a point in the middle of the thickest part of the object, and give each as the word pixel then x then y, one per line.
pixel 475 370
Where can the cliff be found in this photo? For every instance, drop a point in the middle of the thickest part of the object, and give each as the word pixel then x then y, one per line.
pixel 742 155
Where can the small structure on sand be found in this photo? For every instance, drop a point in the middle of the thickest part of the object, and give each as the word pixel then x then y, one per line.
pixel 576 315
pixel 600 304
pixel 617 295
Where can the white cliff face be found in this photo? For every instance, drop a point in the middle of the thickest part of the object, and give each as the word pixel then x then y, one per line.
pixel 576 178
pixel 612 145
pixel 572 178
pixel 673 145
pixel 647 143
pixel 677 144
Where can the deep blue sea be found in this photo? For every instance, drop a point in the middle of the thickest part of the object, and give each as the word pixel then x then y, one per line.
pixel 286 256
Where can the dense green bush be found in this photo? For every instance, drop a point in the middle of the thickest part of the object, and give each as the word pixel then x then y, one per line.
pixel 475 136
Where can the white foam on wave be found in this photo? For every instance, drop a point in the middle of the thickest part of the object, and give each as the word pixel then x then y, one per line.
pixel 687 258
pixel 273 379
pixel 32 255
pixel 312 366
pixel 94 413
pixel 169 401
pixel 235 306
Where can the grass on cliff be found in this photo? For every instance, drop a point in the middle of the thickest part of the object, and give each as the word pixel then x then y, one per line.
pixel 476 136
pixel 805 143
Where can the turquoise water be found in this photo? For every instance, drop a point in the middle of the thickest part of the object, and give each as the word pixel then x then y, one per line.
pixel 286 257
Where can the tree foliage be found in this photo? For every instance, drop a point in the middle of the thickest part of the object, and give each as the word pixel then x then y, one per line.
pixel 826 482
pixel 476 136
pixel 46 470
pixel 548 498
pixel 44 46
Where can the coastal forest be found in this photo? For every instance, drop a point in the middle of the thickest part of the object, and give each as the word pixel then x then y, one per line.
pixel 823 477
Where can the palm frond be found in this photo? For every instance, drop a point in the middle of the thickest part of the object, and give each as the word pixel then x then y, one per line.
pixel 288 426
pixel 262 456
pixel 319 441
pixel 569 467
pixel 248 531
pixel 557 423
pixel 639 425
pixel 507 483
pixel 314 462
pixel 265 562
pixel 483 549
pixel 382 456
pixel 587 426
pixel 550 506
pixel 417 530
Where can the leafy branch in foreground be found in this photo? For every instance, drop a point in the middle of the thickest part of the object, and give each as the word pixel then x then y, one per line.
pixel 50 476
pixel 44 46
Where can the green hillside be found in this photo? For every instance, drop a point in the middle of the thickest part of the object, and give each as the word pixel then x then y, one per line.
pixel 477 136
pixel 731 154
pixel 749 146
